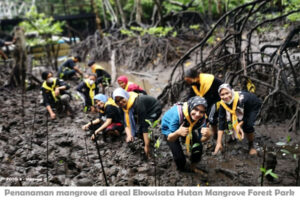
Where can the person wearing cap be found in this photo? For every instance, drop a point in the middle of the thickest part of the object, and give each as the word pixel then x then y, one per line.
pixel 69 68
pixel 54 94
pixel 109 121
pixel 135 109
pixel 205 85
pixel 129 86
pixel 103 77
pixel 238 111
pixel 87 89
pixel 187 121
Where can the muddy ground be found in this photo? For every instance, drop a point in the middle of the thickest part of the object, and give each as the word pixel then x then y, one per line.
pixel 73 159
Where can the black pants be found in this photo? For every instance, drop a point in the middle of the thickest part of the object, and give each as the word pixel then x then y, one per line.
pixel 179 156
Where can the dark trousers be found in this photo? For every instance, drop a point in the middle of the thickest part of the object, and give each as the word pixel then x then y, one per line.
pixel 179 156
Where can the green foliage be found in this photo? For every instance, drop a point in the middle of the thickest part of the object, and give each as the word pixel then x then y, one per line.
pixel 288 138
pixel 212 41
pixel 268 172
pixel 292 5
pixel 195 27
pixel 44 26
pixel 155 31
pixel 157 143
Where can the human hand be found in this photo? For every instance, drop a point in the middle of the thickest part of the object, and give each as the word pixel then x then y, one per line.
pixel 85 127
pixel 218 148
pixel 129 138
pixel 205 132
pixel 52 115
pixel 183 131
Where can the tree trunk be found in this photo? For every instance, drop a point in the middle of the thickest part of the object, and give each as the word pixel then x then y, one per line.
pixel 123 18
pixel 159 9
pixel 139 10
pixel 18 74
pixel 97 17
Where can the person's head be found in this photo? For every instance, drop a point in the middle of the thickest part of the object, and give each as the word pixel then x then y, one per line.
pixel 100 100
pixel 77 59
pixel 46 75
pixel 91 62
pixel 92 78
pixel 197 107
pixel 226 93
pixel 191 76
pixel 121 97
pixel 122 81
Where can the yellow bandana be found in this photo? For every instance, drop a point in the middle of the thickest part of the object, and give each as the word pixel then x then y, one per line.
pixel 92 90
pixel 52 88
pixel 95 67
pixel 192 124
pixel 233 112
pixel 205 81
pixel 130 102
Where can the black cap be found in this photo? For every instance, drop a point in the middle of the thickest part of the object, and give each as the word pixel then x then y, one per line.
pixel 45 75
pixel 78 58
pixel 192 73
pixel 91 62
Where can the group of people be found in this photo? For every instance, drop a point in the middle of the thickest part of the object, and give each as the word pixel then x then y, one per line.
pixel 211 108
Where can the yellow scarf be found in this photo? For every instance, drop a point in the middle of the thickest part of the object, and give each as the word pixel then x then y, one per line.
pixel 52 88
pixel 205 81
pixel 110 101
pixel 192 124
pixel 129 83
pixel 95 67
pixel 233 112
pixel 130 102
pixel 92 88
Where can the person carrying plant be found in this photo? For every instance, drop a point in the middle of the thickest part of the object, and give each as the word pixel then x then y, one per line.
pixel 87 90
pixel 129 86
pixel 135 109
pixel 103 77
pixel 238 111
pixel 69 68
pixel 187 121
pixel 206 85
pixel 54 94
pixel 109 121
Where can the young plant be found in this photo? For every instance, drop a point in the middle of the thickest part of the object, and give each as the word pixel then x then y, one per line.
pixel 156 144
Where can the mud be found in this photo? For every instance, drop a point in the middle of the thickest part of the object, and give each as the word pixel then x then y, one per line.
pixel 23 152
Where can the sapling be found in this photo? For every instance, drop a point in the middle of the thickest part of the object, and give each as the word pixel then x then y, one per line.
pixel 156 144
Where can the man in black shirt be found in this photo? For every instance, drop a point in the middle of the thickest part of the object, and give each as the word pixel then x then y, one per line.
pixel 109 120
pixel 69 68
pixel 54 94
pixel 103 77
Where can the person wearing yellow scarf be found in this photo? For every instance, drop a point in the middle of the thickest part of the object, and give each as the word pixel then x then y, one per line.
pixel 54 96
pixel 186 120
pixel 87 89
pixel 240 110
pixel 136 109
pixel 109 121
pixel 205 85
